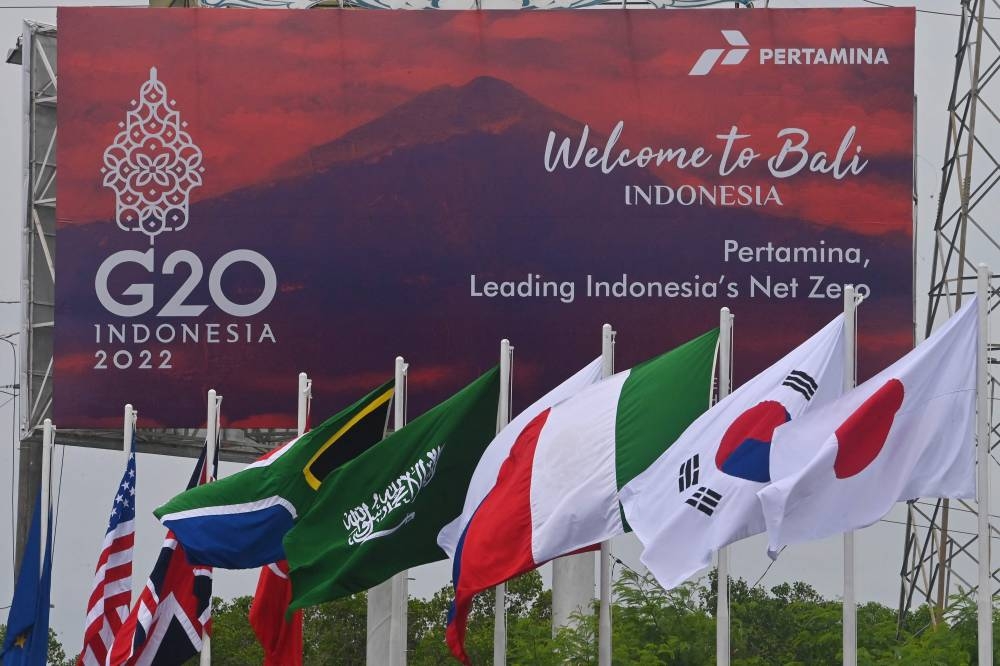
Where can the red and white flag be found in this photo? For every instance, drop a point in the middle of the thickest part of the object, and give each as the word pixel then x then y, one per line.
pixel 111 594
pixel 701 493
pixel 172 612
pixel 907 432
pixel 485 476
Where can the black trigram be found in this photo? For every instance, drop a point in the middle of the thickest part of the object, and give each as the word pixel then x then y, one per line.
pixel 705 500
pixel 688 475
pixel 801 382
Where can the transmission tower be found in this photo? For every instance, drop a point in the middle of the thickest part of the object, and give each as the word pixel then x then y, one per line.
pixel 940 557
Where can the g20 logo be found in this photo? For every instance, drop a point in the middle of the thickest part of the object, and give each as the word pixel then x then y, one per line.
pixel 177 305
pixel 152 165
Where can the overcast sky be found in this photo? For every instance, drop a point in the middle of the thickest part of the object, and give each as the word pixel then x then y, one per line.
pixel 91 476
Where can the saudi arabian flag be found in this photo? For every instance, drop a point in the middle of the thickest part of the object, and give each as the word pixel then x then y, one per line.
pixel 381 513
pixel 238 522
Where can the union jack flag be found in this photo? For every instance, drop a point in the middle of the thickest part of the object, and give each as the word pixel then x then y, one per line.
pixel 172 612
pixel 111 594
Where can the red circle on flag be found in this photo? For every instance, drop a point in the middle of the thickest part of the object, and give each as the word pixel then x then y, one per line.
pixel 745 447
pixel 861 437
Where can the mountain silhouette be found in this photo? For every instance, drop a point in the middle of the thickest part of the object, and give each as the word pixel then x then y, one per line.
pixel 484 104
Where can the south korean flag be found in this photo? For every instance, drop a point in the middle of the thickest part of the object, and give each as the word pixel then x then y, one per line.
pixel 701 494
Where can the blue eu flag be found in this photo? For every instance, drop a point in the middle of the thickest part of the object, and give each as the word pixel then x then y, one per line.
pixel 27 636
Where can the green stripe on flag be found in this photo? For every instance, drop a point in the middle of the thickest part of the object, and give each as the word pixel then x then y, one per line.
pixel 659 400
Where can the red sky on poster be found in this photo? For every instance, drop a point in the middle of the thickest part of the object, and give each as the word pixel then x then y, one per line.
pixel 357 185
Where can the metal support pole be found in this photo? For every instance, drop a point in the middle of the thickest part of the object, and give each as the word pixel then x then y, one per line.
pixel 304 398
pixel 850 605
pixel 573 584
pixel 503 418
pixel 386 642
pixel 48 434
pixel 604 613
pixel 29 475
pixel 211 441
pixel 722 584
pixel 400 582
pixel 984 596
pixel 128 429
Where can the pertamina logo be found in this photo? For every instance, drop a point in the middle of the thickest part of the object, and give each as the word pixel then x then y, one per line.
pixel 797 55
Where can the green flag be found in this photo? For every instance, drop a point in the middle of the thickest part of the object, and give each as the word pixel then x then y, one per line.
pixel 238 522
pixel 381 513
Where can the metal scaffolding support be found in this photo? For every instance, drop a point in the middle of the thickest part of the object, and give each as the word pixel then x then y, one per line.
pixel 940 555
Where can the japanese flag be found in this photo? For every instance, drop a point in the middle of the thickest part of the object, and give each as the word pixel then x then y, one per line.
pixel 908 432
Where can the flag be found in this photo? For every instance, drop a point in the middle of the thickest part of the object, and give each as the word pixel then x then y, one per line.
pixel 111 594
pixel 701 494
pixel 173 610
pixel 485 476
pixel 557 492
pixel 907 432
pixel 278 635
pixel 381 513
pixel 239 522
pixel 27 638
pixel 281 638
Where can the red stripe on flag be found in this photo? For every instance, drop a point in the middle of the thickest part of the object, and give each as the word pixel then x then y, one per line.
pixel 496 545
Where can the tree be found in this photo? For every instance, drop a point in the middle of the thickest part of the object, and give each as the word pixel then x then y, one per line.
pixel 787 625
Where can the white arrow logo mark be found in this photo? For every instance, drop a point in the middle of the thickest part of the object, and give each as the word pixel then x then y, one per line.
pixel 734 56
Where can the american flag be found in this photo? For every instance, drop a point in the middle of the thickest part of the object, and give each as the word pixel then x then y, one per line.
pixel 111 594
pixel 172 612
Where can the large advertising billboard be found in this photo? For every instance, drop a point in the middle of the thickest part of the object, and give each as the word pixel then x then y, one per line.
pixel 244 195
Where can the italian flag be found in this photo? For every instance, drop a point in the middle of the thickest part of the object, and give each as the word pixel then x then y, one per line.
pixel 557 491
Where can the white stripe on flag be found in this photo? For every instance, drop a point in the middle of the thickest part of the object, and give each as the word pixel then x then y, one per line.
pixel 228 509
pixel 574 486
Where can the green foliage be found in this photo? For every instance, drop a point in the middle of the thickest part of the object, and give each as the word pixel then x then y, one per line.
pixel 233 641
pixel 529 622
pixel 788 625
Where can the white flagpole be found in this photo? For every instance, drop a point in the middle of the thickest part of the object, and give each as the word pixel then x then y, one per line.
pixel 604 613
pixel 211 440
pixel 304 397
pixel 384 628
pixel 128 429
pixel 503 418
pixel 48 435
pixel 722 584
pixel 399 582
pixel 984 596
pixel 850 604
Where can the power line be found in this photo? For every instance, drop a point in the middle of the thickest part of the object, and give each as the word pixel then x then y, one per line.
pixel 924 11
pixel 13 440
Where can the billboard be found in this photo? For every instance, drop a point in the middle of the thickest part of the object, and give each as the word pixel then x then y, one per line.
pixel 244 195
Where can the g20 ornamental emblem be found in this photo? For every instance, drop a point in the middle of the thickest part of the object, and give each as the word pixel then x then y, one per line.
pixel 153 164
